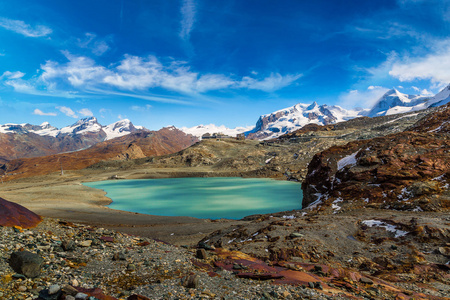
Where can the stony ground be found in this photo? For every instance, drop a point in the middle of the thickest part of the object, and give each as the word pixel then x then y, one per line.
pixel 122 265
pixel 292 256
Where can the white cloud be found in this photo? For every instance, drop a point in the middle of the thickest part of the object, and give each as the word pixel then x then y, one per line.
pixel 138 74
pixel 97 46
pixel 67 111
pixel 362 98
pixel 434 66
pixel 21 27
pixel 85 112
pixel 39 112
pixel 188 11
pixel 12 75
pixel 141 108
pixel 426 92
pixel 103 111
pixel 415 88
pixel 78 71
pixel 269 84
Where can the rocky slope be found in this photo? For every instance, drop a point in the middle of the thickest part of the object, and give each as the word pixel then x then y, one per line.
pixel 25 140
pixel 407 170
pixel 131 146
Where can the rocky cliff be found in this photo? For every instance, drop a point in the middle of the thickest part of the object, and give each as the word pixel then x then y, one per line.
pixel 407 170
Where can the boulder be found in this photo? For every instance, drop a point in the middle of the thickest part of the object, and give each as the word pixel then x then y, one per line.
pixel 13 214
pixel 26 263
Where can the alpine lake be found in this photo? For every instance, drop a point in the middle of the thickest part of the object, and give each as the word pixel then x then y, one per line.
pixel 199 197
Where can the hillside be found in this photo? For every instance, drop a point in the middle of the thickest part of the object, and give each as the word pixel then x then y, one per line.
pixel 26 140
pixel 131 146
pixel 406 170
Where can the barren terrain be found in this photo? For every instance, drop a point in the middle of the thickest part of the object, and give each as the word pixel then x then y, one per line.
pixel 399 253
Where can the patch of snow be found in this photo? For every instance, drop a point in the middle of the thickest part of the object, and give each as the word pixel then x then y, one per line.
pixel 289 217
pixel 268 160
pixel 391 228
pixel 347 161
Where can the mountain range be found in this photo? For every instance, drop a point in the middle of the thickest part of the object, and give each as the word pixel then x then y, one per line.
pixel 26 140
pixel 287 120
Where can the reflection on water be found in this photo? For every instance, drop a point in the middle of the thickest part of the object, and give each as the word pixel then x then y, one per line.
pixel 212 198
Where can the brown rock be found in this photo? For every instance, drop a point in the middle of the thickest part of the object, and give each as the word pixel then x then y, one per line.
pixel 12 214
pixel 201 254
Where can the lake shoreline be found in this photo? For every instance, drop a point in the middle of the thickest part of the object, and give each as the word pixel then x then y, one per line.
pixel 66 198
pixel 213 198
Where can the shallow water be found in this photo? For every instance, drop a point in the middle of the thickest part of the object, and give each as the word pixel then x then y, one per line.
pixel 212 198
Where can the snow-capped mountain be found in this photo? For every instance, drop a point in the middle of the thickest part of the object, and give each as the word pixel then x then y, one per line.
pixel 200 130
pixel 81 127
pixel 395 102
pixel 295 117
pixel 441 98
pixel 26 140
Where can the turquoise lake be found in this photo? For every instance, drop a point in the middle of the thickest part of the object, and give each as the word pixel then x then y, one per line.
pixel 211 198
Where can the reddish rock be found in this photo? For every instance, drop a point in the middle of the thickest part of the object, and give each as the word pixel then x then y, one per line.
pixel 13 214
pixel 396 171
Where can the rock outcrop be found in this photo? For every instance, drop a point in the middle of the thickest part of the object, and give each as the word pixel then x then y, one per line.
pixel 408 170
pixel 13 214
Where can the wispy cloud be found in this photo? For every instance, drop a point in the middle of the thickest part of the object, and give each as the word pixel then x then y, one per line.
pixel 67 111
pixel 39 112
pixel 25 29
pixel 141 108
pixel 85 112
pixel 12 75
pixel 188 11
pixel 434 66
pixel 97 46
pixel 271 83
pixel 362 98
pixel 136 73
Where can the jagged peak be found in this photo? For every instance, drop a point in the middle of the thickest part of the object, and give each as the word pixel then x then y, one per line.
pixel 312 106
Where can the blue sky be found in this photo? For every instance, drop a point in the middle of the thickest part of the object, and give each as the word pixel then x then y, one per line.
pixel 190 62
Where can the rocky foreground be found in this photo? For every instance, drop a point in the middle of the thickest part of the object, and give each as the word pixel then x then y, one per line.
pixel 61 260
pixel 284 256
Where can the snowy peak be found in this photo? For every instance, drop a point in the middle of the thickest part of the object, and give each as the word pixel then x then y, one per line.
pixel 441 98
pixel 295 117
pixel 43 129
pixel 200 130
pixel 313 106
pixel 119 128
pixel 394 102
pixel 81 127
